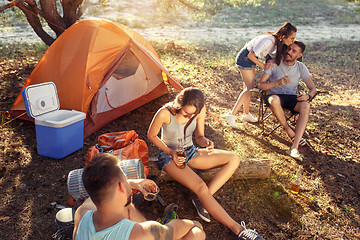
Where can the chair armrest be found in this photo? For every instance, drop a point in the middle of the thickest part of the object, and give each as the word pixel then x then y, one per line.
pixel 318 92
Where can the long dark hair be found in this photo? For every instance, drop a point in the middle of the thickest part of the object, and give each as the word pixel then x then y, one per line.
pixel 188 96
pixel 281 49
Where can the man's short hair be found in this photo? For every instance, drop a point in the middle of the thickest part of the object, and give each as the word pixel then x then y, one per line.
pixel 100 175
pixel 301 45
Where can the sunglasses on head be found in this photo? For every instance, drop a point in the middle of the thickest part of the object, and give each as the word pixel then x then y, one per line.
pixel 151 196
pixel 292 39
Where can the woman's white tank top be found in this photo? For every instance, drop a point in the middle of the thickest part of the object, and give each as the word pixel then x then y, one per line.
pixel 173 131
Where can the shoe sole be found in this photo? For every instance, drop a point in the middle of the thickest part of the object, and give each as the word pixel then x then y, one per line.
pixel 230 125
pixel 297 158
pixel 201 216
pixel 227 122
pixel 168 212
pixel 249 121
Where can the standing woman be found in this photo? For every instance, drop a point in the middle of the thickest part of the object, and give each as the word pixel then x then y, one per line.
pixel 177 121
pixel 247 59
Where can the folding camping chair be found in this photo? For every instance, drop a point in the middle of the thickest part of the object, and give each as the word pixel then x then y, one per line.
pixel 264 112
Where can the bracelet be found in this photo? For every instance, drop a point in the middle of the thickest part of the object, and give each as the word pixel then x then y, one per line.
pixel 310 97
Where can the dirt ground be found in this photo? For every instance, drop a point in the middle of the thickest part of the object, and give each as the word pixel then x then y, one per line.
pixel 328 206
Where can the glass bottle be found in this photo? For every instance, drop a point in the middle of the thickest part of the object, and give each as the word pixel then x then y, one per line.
pixel 295 186
pixel 180 152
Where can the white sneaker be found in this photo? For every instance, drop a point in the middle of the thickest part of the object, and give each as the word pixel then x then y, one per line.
pixel 249 118
pixel 248 234
pixel 230 119
pixel 294 153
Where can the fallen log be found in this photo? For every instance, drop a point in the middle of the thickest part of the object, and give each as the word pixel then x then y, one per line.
pixel 250 168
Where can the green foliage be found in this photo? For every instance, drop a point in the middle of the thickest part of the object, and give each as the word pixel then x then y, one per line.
pixel 354 1
pixel 335 55
pixel 301 12
pixel 264 12
pixel 229 13
pixel 204 9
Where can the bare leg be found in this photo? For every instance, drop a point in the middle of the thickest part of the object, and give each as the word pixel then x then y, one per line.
pixel 278 111
pixel 195 234
pixel 191 180
pixel 248 77
pixel 303 108
pixel 227 161
pixel 249 85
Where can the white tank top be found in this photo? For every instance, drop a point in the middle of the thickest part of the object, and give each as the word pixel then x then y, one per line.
pixel 173 131
pixel 86 229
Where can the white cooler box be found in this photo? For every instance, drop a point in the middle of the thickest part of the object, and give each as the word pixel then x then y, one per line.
pixel 58 132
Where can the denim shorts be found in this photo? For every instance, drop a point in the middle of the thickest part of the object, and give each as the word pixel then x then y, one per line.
pixel 287 101
pixel 164 158
pixel 243 62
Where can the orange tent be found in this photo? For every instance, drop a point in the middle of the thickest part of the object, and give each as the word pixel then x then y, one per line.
pixel 101 68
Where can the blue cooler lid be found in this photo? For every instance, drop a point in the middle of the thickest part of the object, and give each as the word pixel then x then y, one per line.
pixel 40 99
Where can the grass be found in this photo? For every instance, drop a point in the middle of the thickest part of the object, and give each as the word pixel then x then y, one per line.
pixel 20 49
pixel 210 67
pixel 328 207
pixel 302 12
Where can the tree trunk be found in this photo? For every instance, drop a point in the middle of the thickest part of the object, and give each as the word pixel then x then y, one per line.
pixel 50 14
pixel 72 11
pixel 249 168
pixel 71 8
pixel 34 21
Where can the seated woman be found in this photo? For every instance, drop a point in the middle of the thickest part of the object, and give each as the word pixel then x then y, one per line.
pixel 178 120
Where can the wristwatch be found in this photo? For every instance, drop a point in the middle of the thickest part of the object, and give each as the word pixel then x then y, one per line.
pixel 310 97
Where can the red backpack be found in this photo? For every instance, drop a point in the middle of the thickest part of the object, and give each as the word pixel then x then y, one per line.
pixel 125 145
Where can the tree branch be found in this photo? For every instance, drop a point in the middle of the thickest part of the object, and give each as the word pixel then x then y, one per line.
pixel 34 21
pixel 52 17
pixel 81 10
pixel 189 5
pixel 71 13
pixel 6 6
pixel 10 5
pixel 30 2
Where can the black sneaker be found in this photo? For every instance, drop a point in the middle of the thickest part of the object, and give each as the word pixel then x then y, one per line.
pixel 201 210
pixel 248 234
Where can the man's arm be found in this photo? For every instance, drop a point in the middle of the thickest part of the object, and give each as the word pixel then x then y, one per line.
pixel 145 186
pixel 150 230
pixel 312 90
pixel 264 85
pixel 80 212
pixel 310 84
